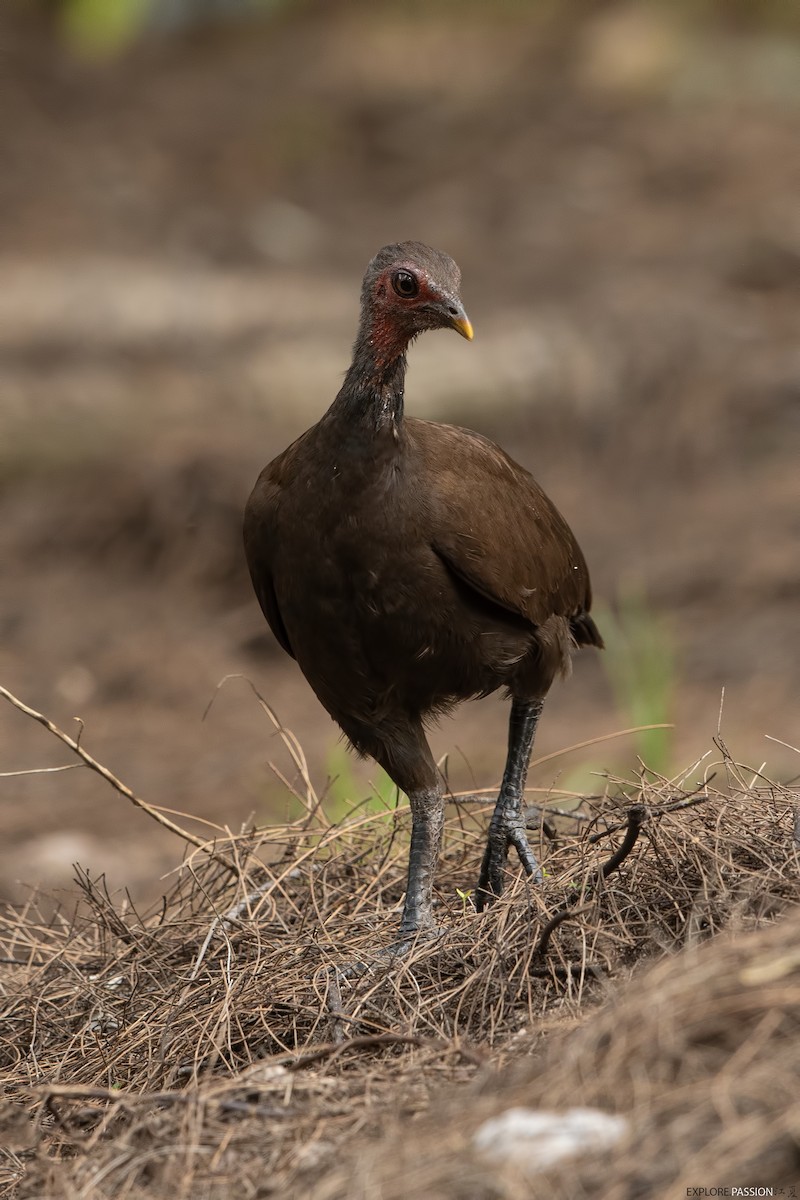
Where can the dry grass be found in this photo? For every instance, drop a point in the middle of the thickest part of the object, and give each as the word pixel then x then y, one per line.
pixel 701 1053
pixel 209 1048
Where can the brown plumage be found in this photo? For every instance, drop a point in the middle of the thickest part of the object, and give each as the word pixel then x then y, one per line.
pixel 409 565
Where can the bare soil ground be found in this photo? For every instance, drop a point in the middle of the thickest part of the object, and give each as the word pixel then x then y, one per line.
pixel 181 239
pixel 182 234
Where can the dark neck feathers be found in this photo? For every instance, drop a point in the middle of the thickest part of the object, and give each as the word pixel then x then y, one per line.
pixel 372 391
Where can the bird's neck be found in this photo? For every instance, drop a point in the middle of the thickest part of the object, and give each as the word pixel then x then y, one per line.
pixel 372 392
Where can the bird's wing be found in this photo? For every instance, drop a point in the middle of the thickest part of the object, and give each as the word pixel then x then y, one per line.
pixel 494 528
pixel 259 526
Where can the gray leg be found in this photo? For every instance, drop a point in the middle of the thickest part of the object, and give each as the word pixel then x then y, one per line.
pixel 507 826
pixel 427 817
pixel 403 752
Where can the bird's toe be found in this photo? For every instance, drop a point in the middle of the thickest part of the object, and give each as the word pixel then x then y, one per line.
pixel 530 865
pixel 495 861
pixel 493 866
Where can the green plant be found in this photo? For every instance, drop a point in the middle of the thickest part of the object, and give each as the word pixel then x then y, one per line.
pixel 344 788
pixel 102 27
pixel 640 663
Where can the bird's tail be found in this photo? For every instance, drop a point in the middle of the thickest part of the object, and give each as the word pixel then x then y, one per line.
pixel 585 631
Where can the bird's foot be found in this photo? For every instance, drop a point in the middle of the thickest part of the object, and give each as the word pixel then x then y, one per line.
pixel 407 938
pixel 417 919
pixel 429 932
pixel 385 956
pixel 505 831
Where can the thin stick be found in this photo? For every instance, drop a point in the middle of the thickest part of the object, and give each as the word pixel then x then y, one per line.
pixel 60 1091
pixel 40 771
pixel 563 914
pixel 570 971
pixel 605 737
pixel 369 1041
pixel 117 784
pixel 690 800
pixel 637 816
pixel 781 743
pixel 336 1009
pixel 311 800
pixel 474 794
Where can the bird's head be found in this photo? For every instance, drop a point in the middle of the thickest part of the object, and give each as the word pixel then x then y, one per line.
pixel 407 289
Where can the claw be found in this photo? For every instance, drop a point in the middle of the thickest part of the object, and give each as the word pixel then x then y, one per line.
pixel 502 835
pixel 507 826
pixel 527 857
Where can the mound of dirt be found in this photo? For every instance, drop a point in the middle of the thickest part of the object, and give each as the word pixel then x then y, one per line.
pixel 250 1033
pixel 700 1054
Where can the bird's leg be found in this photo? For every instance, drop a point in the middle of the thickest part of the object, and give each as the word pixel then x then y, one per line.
pixel 427 823
pixel 403 751
pixel 507 826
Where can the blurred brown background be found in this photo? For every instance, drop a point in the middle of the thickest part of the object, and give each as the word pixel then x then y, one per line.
pixel 189 193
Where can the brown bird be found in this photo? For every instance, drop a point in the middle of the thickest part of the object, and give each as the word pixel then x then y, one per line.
pixel 408 565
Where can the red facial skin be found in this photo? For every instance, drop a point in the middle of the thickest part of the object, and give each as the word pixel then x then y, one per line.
pixel 397 319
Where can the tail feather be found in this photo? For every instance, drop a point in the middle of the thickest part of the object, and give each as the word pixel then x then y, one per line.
pixel 585 631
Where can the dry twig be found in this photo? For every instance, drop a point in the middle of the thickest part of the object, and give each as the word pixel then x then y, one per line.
pixel 75 746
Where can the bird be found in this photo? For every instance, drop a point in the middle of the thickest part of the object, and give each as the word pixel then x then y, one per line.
pixel 408 565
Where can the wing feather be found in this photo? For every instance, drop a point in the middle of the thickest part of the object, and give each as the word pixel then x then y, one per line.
pixel 259 524
pixel 496 529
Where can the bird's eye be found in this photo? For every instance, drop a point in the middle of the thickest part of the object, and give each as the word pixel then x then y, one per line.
pixel 405 284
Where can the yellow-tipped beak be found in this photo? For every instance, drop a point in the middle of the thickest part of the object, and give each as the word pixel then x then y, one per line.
pixel 463 326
